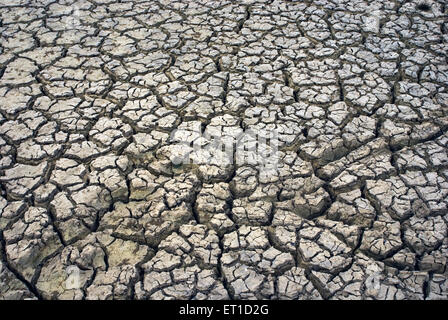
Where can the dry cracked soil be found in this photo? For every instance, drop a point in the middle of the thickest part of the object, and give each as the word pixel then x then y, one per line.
pixel 95 96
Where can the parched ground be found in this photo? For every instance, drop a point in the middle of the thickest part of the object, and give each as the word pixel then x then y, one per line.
pixel 95 96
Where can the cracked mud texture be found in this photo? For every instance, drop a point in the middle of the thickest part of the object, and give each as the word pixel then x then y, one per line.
pixel 92 90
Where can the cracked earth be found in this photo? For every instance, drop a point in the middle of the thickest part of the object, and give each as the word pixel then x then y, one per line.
pixel 92 90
